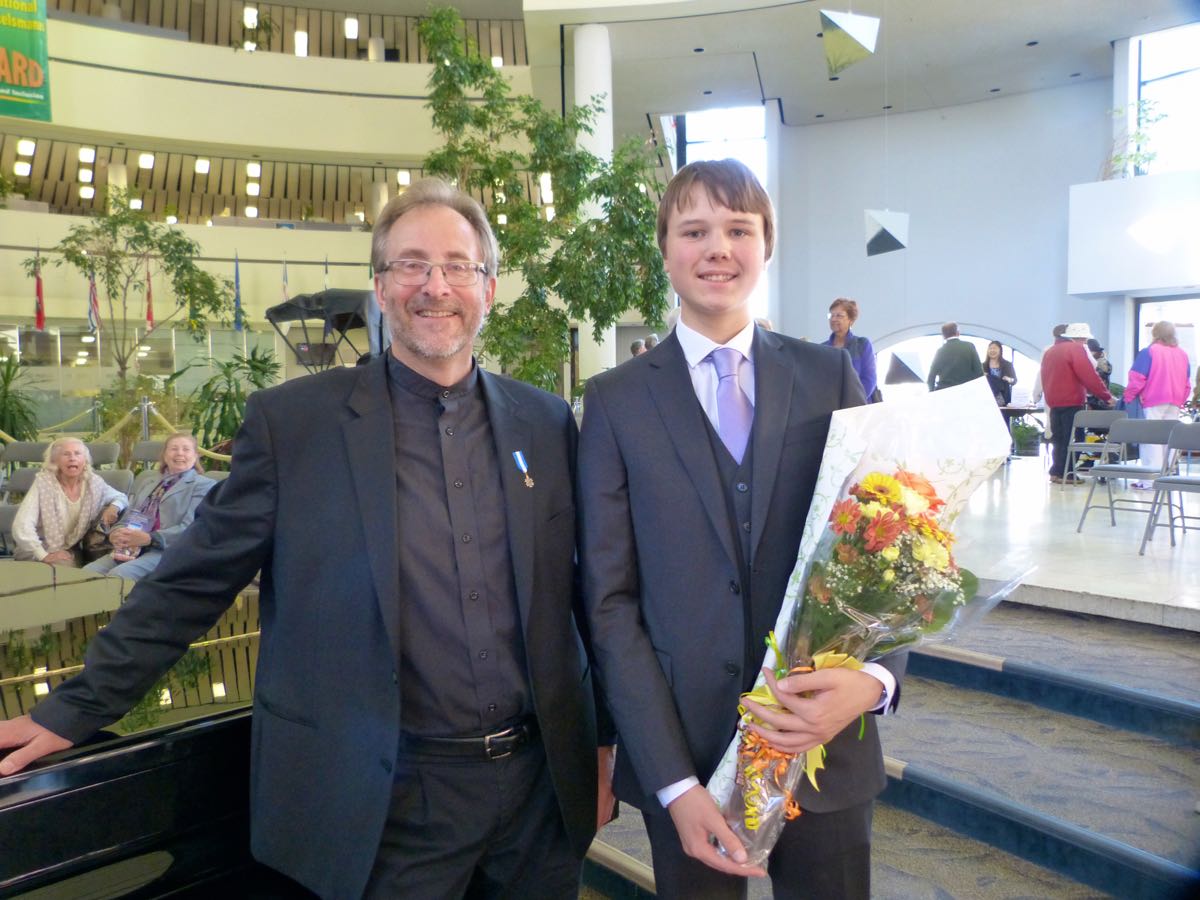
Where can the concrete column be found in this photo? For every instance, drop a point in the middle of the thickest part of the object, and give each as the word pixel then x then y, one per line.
pixel 593 75
pixel 376 52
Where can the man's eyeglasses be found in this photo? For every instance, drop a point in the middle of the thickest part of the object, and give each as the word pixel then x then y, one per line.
pixel 413 272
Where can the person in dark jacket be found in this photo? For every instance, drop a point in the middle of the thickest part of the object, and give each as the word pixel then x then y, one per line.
pixel 1000 374
pixel 956 361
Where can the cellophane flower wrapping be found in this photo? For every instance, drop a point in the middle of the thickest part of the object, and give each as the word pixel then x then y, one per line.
pixel 875 573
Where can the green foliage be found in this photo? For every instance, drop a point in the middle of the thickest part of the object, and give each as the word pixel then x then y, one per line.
pixel 123 395
pixel 597 254
pixel 118 245
pixel 18 415
pixel 7 186
pixel 1131 152
pixel 185 676
pixel 219 404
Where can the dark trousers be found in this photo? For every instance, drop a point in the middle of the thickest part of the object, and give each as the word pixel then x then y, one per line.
pixel 474 828
pixel 1061 420
pixel 820 856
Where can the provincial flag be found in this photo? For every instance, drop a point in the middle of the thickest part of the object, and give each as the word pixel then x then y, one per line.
pixel 93 303
pixel 238 323
pixel 285 285
pixel 149 300
pixel 39 310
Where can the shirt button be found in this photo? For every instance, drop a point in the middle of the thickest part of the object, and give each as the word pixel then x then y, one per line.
pixel 450 432
pixel 742 487
pixel 458 482
pixel 483 654
pixel 474 595
pixel 734 588
pixel 746 527
pixel 466 539
pixel 491 707
pixel 446 394
pixel 731 668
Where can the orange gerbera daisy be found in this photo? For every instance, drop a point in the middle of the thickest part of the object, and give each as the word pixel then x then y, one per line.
pixel 921 485
pixel 882 530
pixel 845 516
pixel 845 553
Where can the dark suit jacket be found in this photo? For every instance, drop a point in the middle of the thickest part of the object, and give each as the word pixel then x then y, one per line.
pixel 661 579
pixel 311 502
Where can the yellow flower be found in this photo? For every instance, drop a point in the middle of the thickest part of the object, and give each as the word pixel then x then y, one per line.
pixel 871 510
pixel 889 575
pixel 891 554
pixel 928 551
pixel 913 502
pixel 878 486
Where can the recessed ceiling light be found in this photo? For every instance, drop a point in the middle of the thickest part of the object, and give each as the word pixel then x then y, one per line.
pixel 350 28
pixel 253 170
pixel 993 90
pixel 145 348
pixel 82 353
pixel 301 39
pixel 172 220
pixel 497 62
pixel 146 161
pixel 88 339
pixel 833 78
pixel 501 219
pixel 25 147
pixel 86 191
pixel 1031 43
pixel 135 202
pixel 85 175
pixel 697 49
pixel 203 166
pixel 250 17
pixel 22 168
pixel 142 354
pixel 707 93
pixel 820 115
pixel 251 212
pixel 403 178
pixel 889 106
pixel 1076 74
pixel 252 188
pixel 249 46
pixel 87 155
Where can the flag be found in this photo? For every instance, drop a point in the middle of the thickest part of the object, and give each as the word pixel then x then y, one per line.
pixel 39 312
pixel 93 303
pixel 285 293
pixel 238 324
pixel 149 300
pixel 328 318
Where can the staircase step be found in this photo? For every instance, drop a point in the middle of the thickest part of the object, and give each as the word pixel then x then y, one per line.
pixel 1056 772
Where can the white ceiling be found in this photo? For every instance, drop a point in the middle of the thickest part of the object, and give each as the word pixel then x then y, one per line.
pixel 930 53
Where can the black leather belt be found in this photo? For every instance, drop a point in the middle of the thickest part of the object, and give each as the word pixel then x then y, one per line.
pixel 496 745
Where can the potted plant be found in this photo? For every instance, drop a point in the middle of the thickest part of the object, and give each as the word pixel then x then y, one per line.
pixel 18 413
pixel 1027 437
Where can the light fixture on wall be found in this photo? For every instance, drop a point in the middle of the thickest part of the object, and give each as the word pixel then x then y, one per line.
pixel 301 43
pixel 22 168
pixel 250 17
pixel 26 147
pixel 252 188
pixel 350 29
pixel 85 175
pixel 87 155
pixel 251 212
pixel 253 170
pixel 86 192
pixel 202 166
pixel 146 161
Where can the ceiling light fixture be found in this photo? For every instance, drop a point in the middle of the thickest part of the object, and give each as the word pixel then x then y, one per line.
pixel 146 161
pixel 404 178
pixel 172 220
pixel 25 147
pixel 250 17
pixel 22 168
pixel 135 202
pixel 86 192
pixel 350 28
pixel 249 46
pixel 253 170
pixel 252 188
pixel 251 212
pixel 497 62
pixel 85 175
pixel 202 166
pixel 88 339
pixel 301 43
pixel 87 155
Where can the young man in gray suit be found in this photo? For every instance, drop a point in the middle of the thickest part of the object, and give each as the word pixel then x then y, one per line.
pixel 423 716
pixel 697 465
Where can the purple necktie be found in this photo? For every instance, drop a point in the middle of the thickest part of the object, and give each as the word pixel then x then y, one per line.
pixel 734 412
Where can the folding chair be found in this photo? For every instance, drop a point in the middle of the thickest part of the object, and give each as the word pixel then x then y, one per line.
pixel 103 453
pixel 1185 438
pixel 29 453
pixel 8 512
pixel 119 479
pixel 147 453
pixel 19 482
pixel 1121 434
pixel 1087 419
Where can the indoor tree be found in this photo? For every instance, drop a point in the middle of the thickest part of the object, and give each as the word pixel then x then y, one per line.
pixel 596 252
pixel 218 406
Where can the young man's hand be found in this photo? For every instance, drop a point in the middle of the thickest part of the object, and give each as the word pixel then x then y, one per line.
pixel 835 698
pixel 31 741
pixel 698 820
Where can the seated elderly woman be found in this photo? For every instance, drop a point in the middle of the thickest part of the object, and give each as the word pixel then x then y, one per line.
pixel 161 508
pixel 65 501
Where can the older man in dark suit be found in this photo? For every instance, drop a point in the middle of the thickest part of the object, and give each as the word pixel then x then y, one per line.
pixel 697 466
pixel 423 722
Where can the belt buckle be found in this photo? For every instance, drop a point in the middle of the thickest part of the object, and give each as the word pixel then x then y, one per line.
pixel 492 747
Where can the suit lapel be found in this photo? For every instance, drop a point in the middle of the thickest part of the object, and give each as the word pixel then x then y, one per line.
pixel 773 380
pixel 512 432
pixel 371 448
pixel 673 394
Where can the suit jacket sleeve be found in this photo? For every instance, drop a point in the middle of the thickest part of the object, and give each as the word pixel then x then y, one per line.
pixel 638 695
pixel 181 599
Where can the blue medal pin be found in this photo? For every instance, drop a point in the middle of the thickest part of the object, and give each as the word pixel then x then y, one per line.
pixel 523 466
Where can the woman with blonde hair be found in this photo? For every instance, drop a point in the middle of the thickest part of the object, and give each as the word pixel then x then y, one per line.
pixel 65 501
pixel 1161 379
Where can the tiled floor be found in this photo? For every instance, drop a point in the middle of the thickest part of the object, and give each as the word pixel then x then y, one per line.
pixel 1018 522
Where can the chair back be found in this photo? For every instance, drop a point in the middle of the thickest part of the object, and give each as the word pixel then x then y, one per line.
pixel 1185 436
pixel 148 453
pixel 1141 431
pixel 8 513
pixel 118 479
pixel 25 452
pixel 104 453
pixel 19 482
pixel 1097 418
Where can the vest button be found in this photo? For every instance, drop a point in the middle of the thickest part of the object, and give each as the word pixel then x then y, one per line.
pixel 734 588
pixel 742 487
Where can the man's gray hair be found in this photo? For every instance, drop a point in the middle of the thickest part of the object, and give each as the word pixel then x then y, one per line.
pixel 435 192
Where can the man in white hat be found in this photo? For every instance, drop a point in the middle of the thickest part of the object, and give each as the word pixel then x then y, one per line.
pixel 1067 378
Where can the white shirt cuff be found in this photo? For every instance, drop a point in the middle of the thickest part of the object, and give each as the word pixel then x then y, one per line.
pixel 888 680
pixel 673 792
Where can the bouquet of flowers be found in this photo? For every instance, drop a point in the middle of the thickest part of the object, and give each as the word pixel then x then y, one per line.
pixel 876 574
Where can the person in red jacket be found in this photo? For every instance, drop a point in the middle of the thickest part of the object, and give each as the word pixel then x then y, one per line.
pixel 1067 378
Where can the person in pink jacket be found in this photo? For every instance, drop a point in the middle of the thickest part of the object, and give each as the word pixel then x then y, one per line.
pixel 1161 379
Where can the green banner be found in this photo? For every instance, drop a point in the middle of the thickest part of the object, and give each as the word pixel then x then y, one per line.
pixel 24 68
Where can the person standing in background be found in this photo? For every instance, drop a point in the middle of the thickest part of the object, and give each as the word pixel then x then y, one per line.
pixel 1000 374
pixel 1067 377
pixel 956 362
pixel 1161 378
pixel 843 313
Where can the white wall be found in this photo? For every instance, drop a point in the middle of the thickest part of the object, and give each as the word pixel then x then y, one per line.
pixel 986 185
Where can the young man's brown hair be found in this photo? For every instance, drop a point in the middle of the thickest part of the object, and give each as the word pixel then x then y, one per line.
pixel 728 183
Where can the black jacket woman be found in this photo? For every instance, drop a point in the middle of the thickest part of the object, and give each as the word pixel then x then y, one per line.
pixel 1001 375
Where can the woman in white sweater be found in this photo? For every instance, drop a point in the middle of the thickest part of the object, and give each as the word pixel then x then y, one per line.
pixel 67 498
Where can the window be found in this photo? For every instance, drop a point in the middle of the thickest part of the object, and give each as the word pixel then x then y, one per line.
pixel 1169 85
